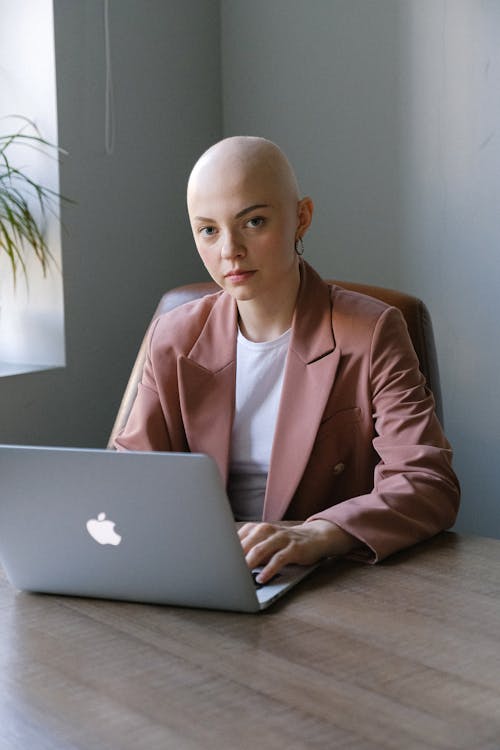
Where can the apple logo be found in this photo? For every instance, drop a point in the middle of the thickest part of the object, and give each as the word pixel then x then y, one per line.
pixel 103 530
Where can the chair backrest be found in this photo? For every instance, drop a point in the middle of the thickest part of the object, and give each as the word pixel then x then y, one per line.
pixel 414 311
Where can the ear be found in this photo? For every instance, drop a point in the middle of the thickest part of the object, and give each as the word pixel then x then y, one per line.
pixel 305 209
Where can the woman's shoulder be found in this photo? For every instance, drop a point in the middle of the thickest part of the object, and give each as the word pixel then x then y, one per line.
pixel 343 297
pixel 353 302
pixel 181 326
pixel 358 317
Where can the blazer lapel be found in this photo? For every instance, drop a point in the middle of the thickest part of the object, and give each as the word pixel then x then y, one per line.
pixel 207 379
pixel 310 371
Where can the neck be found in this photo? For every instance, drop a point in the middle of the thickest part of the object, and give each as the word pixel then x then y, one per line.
pixel 265 320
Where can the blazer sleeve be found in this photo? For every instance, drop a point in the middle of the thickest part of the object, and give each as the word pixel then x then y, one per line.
pixel 415 491
pixel 146 428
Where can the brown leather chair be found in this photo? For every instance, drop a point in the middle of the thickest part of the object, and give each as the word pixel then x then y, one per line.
pixel 414 311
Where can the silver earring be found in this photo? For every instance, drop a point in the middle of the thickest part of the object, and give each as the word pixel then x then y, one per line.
pixel 301 251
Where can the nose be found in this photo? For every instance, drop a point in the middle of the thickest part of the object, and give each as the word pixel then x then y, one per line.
pixel 232 246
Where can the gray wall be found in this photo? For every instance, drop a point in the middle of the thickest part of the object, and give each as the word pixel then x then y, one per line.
pixel 391 112
pixel 319 78
pixel 127 238
pixel 450 213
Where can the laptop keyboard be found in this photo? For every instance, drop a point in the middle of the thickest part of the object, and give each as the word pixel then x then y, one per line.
pixel 258 585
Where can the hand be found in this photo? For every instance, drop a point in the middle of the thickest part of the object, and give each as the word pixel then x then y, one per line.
pixel 275 546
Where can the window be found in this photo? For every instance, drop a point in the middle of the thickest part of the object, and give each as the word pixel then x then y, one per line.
pixel 31 316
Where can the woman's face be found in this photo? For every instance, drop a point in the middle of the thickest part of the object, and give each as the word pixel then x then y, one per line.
pixel 245 223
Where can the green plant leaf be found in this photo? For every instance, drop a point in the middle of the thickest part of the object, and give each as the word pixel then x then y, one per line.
pixel 20 229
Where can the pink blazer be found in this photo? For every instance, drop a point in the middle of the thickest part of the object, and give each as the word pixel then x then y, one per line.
pixel 356 441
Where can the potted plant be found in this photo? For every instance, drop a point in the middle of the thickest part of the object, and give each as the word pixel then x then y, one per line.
pixel 24 203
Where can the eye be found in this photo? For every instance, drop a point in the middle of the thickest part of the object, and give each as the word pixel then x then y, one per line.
pixel 207 231
pixel 256 221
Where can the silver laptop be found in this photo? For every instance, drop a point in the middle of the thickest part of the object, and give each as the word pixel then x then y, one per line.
pixel 137 526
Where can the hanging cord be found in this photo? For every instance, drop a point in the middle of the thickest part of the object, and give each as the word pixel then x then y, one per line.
pixel 109 125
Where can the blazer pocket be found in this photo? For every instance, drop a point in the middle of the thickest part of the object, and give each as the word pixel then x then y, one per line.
pixel 337 423
pixel 333 466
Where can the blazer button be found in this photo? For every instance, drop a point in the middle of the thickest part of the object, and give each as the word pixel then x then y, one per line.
pixel 338 468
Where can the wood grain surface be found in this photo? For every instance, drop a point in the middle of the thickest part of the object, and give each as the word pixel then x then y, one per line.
pixel 404 655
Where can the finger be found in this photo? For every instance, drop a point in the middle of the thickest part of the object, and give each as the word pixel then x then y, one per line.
pixel 282 549
pixel 246 529
pixel 274 566
pixel 257 534
pixel 260 552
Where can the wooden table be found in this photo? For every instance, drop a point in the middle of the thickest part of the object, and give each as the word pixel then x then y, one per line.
pixel 402 655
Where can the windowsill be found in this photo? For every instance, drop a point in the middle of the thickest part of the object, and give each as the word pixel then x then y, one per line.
pixel 20 368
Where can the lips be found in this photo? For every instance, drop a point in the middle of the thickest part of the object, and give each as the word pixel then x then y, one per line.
pixel 238 274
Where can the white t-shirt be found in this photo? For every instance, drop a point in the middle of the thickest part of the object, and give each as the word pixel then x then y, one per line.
pixel 260 367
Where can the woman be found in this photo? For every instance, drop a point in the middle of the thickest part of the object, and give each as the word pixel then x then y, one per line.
pixel 309 398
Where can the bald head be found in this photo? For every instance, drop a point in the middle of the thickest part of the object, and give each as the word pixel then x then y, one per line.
pixel 245 213
pixel 241 159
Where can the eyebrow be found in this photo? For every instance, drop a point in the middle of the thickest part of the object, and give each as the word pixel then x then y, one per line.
pixel 251 208
pixel 241 213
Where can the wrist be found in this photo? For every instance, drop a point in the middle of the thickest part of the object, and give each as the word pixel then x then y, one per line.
pixel 335 540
